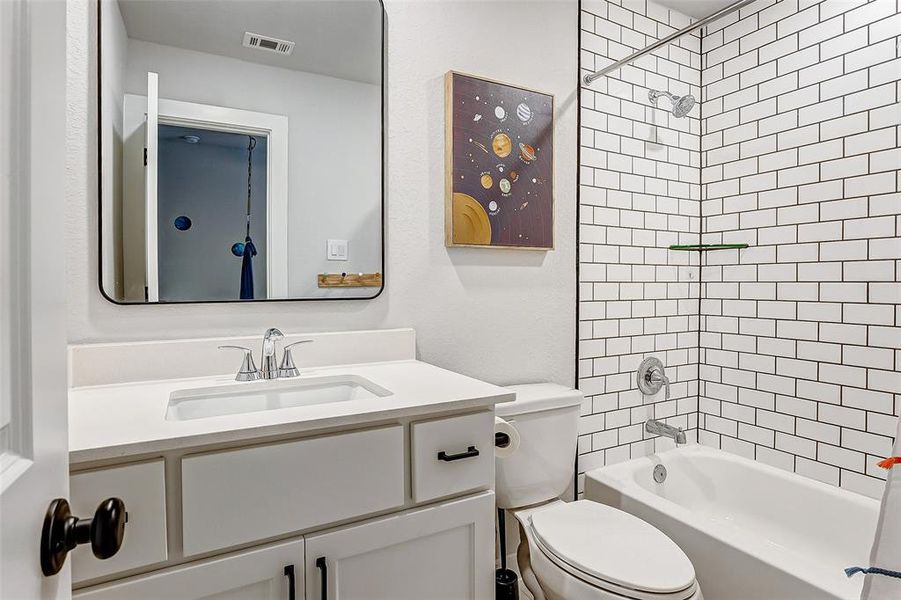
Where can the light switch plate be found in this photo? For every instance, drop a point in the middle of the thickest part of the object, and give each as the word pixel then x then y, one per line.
pixel 337 250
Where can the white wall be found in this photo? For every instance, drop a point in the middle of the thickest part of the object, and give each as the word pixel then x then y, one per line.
pixel 500 315
pixel 334 133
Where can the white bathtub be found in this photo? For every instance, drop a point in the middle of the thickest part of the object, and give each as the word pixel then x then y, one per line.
pixel 753 532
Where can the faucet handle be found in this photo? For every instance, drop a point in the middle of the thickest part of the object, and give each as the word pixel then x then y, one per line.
pixel 288 368
pixel 248 370
pixel 658 376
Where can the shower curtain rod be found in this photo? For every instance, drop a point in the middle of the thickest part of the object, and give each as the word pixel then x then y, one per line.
pixel 663 42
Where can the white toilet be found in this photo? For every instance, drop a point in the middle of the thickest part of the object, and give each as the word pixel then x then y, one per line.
pixel 577 550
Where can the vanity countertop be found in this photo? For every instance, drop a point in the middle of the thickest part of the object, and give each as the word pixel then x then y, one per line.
pixel 129 419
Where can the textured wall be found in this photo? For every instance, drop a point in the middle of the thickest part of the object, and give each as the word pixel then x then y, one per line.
pixel 801 344
pixel 640 193
pixel 503 316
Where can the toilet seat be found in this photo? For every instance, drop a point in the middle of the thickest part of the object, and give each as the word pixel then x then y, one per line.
pixel 613 550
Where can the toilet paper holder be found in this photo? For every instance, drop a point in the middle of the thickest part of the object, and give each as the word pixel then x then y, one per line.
pixel 506 438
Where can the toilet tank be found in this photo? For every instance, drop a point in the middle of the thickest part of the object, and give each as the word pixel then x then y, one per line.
pixel 546 416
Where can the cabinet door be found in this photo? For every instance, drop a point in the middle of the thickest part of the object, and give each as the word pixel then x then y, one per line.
pixel 265 573
pixel 444 552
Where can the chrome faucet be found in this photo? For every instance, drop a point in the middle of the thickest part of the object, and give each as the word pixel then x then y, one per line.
pixel 267 354
pixel 268 357
pixel 660 428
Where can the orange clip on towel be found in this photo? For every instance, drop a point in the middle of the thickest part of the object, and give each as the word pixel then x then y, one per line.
pixel 890 462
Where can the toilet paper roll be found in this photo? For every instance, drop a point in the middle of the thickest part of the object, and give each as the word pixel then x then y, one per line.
pixel 502 426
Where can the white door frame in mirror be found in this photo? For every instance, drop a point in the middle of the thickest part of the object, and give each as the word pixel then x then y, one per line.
pixel 220 118
pixel 151 189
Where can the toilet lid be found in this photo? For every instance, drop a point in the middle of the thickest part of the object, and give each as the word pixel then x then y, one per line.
pixel 613 545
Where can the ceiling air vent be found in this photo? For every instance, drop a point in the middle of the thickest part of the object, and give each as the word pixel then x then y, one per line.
pixel 270 44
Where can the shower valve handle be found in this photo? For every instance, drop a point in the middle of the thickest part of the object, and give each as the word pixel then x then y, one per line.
pixel 658 377
pixel 651 377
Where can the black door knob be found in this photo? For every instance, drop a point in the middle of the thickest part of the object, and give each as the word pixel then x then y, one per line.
pixel 62 532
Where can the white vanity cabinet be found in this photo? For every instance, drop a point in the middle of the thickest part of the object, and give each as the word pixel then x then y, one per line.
pixel 401 510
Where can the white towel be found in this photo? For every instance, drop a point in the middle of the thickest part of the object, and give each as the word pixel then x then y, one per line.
pixel 886 551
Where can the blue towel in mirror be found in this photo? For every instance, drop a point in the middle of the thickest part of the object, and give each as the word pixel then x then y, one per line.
pixel 247 269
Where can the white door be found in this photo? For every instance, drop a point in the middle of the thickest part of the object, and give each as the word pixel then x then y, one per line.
pixel 443 552
pixel 33 406
pixel 151 182
pixel 272 572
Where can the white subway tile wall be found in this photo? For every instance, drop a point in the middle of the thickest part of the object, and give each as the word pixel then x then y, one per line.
pixel 640 192
pixel 801 335
pixel 788 352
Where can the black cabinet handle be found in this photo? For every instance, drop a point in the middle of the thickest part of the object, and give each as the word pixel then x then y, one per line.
pixel 470 452
pixel 323 571
pixel 292 584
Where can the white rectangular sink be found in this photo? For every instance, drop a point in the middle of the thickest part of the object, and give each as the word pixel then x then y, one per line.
pixel 256 396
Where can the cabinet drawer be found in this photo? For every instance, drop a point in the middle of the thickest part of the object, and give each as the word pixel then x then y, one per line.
pixel 240 496
pixel 459 469
pixel 143 489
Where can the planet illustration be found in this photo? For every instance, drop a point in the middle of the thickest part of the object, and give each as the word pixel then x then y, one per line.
pixel 470 222
pixel 524 112
pixel 502 145
pixel 526 153
pixel 492 207
pixel 504 185
pixel 477 118
pixel 514 176
pixel 486 181
pixel 500 113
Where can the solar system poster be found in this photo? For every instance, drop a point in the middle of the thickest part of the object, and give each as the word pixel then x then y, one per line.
pixel 500 165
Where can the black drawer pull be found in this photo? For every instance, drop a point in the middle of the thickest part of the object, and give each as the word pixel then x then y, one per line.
pixel 292 585
pixel 470 452
pixel 323 569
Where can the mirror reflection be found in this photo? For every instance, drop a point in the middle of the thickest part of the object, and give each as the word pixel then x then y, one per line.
pixel 241 150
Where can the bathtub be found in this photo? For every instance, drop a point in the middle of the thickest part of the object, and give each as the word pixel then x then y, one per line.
pixel 753 532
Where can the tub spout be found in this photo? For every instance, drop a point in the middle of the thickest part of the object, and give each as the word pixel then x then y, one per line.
pixel 660 428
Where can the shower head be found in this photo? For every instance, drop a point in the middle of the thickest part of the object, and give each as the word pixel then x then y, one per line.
pixel 681 104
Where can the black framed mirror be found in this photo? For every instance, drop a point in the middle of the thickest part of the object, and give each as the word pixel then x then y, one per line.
pixel 241 150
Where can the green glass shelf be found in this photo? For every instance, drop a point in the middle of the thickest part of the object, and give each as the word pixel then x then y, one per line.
pixel 707 247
